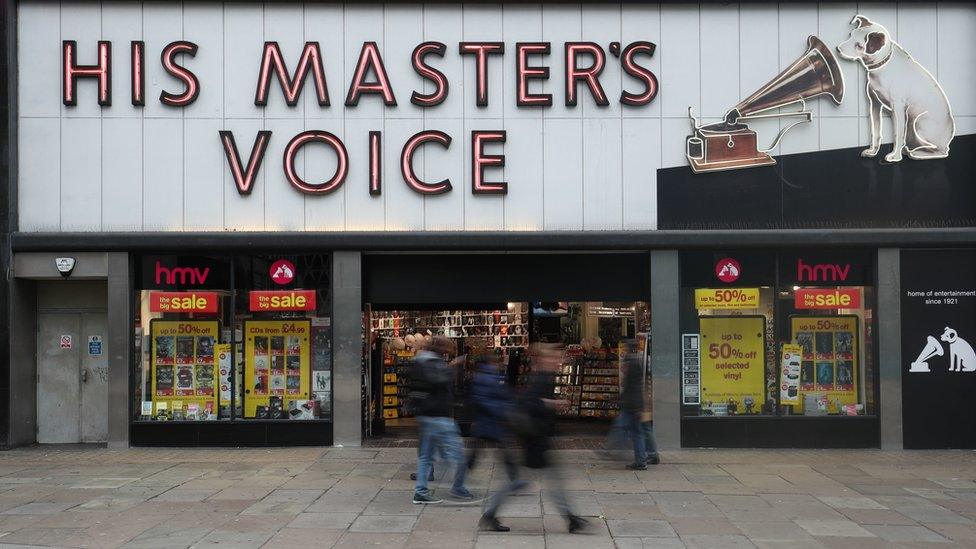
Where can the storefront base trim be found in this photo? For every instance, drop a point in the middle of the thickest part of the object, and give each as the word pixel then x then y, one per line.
pixel 780 432
pixel 226 434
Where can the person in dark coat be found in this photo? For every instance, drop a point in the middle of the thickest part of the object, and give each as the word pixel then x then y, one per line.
pixel 491 402
pixel 628 421
pixel 535 423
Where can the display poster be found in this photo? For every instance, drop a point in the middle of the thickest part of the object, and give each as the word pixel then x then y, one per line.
pixel 183 368
pixel 276 369
pixel 829 366
pixel 322 365
pixel 790 374
pixel 938 335
pixel 732 362
pixel 690 369
pixel 222 351
pixel 726 298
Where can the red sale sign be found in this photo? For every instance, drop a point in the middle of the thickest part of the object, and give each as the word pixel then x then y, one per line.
pixel 827 298
pixel 183 302
pixel 289 300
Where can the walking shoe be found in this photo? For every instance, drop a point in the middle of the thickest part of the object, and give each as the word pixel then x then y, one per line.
pixel 425 499
pixel 654 459
pixel 576 524
pixel 413 476
pixel 430 477
pixel 637 467
pixel 462 494
pixel 491 524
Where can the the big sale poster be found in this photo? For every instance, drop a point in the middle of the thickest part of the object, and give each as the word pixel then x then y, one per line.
pixel 183 365
pixel 276 367
pixel 830 353
pixel 733 360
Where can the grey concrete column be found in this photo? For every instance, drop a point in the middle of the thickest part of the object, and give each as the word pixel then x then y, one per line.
pixel 665 342
pixel 347 348
pixel 889 347
pixel 22 403
pixel 119 336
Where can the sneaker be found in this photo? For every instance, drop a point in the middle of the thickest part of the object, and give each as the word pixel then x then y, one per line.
pixel 413 476
pixel 637 467
pixel 462 494
pixel 654 459
pixel 425 499
pixel 491 524
pixel 576 524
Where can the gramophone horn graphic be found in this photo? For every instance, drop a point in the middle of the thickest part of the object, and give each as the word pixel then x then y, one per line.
pixel 730 144
pixel 932 348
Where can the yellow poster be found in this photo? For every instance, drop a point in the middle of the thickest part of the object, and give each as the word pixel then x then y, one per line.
pixel 732 361
pixel 789 387
pixel 726 298
pixel 183 369
pixel 276 367
pixel 829 347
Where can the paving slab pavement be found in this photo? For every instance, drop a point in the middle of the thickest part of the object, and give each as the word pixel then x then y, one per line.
pixel 87 496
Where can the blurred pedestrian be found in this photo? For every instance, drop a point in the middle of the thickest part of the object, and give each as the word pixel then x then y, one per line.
pixel 433 395
pixel 534 420
pixel 419 345
pixel 647 428
pixel 627 424
pixel 491 401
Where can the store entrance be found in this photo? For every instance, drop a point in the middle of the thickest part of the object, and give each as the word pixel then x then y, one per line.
pixel 492 307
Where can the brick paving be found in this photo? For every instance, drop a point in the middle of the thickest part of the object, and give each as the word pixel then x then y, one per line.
pixel 345 497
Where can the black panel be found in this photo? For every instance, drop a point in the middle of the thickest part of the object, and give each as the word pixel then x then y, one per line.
pixel 784 432
pixel 462 278
pixel 825 190
pixel 238 433
pixel 937 406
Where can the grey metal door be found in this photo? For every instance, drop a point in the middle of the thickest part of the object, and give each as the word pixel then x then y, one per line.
pixel 72 378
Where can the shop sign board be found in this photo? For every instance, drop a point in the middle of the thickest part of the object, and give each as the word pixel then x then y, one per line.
pixel 826 298
pixel 282 272
pixel 287 300
pixel 728 270
pixel 790 371
pixel 726 298
pixel 183 302
pixel 690 369
pixel 733 362
pixel 938 334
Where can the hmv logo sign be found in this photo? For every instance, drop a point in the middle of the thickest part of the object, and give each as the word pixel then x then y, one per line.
pixel 184 276
pixel 821 272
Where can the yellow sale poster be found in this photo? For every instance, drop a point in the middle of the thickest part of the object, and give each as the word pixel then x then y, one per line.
pixel 829 346
pixel 183 368
pixel 732 360
pixel 276 367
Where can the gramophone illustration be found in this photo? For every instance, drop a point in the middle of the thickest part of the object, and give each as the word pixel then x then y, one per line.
pixel 932 349
pixel 730 144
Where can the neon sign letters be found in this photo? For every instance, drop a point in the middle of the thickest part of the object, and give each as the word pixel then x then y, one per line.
pixel 584 64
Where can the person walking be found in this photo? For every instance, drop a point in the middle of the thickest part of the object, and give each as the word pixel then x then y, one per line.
pixel 647 428
pixel 535 424
pixel 628 421
pixel 491 401
pixel 433 395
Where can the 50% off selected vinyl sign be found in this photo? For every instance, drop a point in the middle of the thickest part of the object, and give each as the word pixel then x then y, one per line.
pixel 726 298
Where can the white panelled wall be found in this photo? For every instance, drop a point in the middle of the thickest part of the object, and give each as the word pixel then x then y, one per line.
pixel 159 168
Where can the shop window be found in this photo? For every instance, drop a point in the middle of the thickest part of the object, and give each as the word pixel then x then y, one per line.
pixel 182 304
pixel 232 338
pixel 777 334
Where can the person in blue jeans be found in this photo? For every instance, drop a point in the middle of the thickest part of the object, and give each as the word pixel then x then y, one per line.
pixel 628 421
pixel 432 392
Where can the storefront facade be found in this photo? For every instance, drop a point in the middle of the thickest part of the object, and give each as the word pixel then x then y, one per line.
pixel 214 211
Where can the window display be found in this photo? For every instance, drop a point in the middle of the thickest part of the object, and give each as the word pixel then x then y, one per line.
pixel 777 334
pixel 233 338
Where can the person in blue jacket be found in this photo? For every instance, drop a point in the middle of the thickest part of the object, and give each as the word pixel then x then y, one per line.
pixel 491 402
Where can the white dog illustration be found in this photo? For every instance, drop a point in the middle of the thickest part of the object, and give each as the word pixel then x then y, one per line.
pixel 962 358
pixel 920 113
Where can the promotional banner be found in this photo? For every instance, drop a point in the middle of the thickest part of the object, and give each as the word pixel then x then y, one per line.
pixel 829 347
pixel 732 361
pixel 286 300
pixel 726 298
pixel 790 374
pixel 183 302
pixel 827 298
pixel 276 368
pixel 938 334
pixel 183 368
